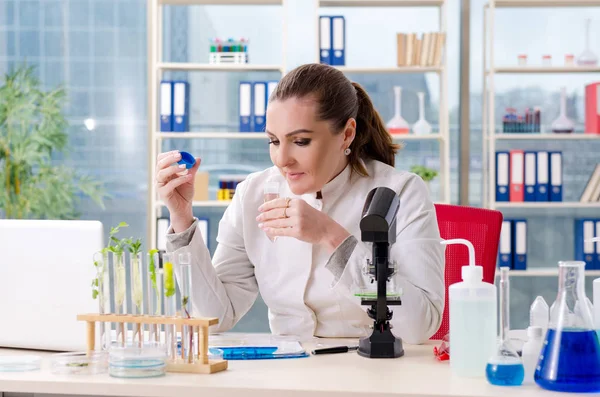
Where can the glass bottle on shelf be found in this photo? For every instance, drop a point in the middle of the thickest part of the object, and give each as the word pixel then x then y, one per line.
pixel 587 57
pixel 397 125
pixel 421 127
pixel 562 124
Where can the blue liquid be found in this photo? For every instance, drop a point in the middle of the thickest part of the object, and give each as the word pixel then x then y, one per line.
pixel 511 374
pixel 570 363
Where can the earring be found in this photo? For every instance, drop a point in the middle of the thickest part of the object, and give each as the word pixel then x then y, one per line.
pixel 347 151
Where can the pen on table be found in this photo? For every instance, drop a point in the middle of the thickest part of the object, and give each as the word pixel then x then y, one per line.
pixel 336 349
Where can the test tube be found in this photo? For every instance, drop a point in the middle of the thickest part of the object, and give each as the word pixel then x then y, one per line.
pixel 153 301
pixel 137 290
pixel 170 304
pixel 103 295
pixel 119 277
pixel 185 283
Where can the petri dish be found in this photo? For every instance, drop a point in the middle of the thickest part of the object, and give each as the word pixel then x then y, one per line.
pixel 148 360
pixel 80 363
pixel 19 363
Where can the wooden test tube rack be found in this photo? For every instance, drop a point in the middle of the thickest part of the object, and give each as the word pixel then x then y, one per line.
pixel 202 365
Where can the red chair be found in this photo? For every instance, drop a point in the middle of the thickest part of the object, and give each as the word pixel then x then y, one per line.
pixel 482 228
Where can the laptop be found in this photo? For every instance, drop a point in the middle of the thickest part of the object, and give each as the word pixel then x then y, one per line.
pixel 46 271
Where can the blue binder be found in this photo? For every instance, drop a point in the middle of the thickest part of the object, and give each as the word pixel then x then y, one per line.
pixel 502 176
pixel 543 177
pixel 181 106
pixel 530 176
pixel 519 244
pixel 585 251
pixel 259 105
pixel 325 40
pixel 166 106
pixel 245 106
pixel 556 182
pixel 338 40
pixel 505 258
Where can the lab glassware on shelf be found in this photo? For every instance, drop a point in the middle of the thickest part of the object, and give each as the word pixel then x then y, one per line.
pixel 587 57
pixel 397 125
pixel 562 124
pixel 421 127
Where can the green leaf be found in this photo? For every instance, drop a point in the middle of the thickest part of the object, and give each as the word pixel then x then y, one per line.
pixel 94 293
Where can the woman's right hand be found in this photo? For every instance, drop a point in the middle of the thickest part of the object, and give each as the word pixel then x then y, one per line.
pixel 175 186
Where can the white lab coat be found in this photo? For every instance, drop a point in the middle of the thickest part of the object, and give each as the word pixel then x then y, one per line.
pixel 305 298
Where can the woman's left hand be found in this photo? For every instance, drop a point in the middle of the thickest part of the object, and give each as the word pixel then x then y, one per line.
pixel 295 218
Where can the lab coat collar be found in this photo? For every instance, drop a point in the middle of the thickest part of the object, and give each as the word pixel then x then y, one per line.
pixel 336 186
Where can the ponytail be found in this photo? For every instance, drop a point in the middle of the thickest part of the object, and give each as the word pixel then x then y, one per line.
pixel 340 100
pixel 372 139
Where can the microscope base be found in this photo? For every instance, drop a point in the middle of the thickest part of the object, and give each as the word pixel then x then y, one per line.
pixel 381 345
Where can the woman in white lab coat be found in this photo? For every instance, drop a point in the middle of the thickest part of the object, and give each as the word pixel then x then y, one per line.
pixel 329 148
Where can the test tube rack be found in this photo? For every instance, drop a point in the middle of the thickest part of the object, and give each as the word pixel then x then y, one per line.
pixel 202 365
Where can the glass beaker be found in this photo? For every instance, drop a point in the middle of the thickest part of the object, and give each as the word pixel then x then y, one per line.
pixel 397 125
pixel 570 358
pixel 505 367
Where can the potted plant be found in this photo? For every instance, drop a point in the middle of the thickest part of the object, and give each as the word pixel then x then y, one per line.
pixel 427 174
pixel 32 134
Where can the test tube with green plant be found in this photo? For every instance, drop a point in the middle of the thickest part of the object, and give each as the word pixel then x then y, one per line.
pixel 137 288
pixel 170 304
pixel 185 284
pixel 154 301
pixel 117 249
pixel 101 292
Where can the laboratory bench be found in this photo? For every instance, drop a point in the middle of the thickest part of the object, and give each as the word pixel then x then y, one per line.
pixel 416 374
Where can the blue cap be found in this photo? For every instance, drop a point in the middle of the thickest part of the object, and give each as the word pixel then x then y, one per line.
pixel 187 159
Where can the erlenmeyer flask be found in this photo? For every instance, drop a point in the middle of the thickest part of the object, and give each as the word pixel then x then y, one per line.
pixel 397 125
pixel 587 57
pixel 563 124
pixel 570 358
pixel 421 127
pixel 505 367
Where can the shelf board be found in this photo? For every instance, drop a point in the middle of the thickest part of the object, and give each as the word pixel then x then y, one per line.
pixel 543 272
pixel 545 69
pixel 546 3
pixel 261 135
pixel 381 3
pixel 546 136
pixel 543 205
pixel 397 69
pixel 211 135
pixel 209 203
pixel 222 2
pixel 232 67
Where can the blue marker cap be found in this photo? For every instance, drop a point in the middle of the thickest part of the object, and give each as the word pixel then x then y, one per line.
pixel 187 159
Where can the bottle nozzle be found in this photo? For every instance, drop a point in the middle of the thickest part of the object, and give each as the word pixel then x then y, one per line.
pixel 465 242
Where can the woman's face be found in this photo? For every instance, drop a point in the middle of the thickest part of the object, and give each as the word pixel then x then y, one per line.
pixel 306 150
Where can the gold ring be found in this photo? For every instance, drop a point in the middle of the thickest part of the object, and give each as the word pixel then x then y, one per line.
pixel 284 213
pixel 287 202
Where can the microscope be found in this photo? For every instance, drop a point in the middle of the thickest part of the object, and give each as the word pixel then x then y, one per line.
pixel 378 226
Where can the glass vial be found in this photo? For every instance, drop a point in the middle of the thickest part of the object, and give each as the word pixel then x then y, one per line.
pixel 185 284
pixel 153 305
pixel 120 282
pixel 101 292
pixel 170 304
pixel 137 290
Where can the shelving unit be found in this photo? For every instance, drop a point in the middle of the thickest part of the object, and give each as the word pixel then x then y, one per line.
pixel 491 135
pixel 443 135
pixel 489 129
pixel 156 68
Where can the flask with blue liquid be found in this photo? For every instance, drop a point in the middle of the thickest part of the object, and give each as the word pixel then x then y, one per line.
pixel 570 357
pixel 505 367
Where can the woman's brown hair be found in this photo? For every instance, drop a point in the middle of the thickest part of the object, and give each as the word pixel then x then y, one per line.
pixel 338 100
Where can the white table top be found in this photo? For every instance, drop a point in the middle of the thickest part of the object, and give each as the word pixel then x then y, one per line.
pixel 418 373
